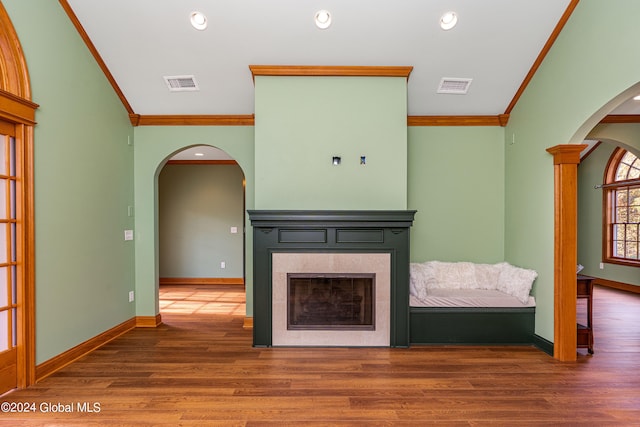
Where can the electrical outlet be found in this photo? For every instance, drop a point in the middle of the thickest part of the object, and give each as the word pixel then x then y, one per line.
pixel 223 264
pixel 131 296
pixel 602 266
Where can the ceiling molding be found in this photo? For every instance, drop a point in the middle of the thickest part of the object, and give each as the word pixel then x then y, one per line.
pixel 192 120
pixel 96 55
pixel 543 53
pixel 499 120
pixel 332 71
pixel 249 120
pixel 621 118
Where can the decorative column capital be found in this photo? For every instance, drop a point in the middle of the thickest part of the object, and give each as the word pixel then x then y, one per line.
pixel 566 153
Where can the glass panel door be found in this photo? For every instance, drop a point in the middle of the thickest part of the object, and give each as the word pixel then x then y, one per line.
pixel 8 261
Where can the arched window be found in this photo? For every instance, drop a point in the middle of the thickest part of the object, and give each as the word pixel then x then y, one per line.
pixel 622 208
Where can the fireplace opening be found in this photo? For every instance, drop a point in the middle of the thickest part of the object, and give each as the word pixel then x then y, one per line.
pixel 331 301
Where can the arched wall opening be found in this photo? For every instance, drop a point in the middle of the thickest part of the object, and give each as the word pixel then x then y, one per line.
pixel 572 91
pixel 17 121
pixel 566 225
pixel 154 147
pixel 201 218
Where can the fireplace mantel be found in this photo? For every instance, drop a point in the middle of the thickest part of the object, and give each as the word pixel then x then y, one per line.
pixel 331 231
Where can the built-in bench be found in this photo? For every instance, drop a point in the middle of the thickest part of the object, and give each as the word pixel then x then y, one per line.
pixel 468 303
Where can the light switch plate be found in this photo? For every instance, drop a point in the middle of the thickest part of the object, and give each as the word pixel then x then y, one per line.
pixel 128 234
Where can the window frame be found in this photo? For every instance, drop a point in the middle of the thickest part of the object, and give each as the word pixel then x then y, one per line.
pixel 610 188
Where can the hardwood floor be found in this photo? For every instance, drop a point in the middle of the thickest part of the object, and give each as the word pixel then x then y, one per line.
pixel 199 368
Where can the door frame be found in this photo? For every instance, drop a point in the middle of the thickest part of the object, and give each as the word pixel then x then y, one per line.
pixel 17 108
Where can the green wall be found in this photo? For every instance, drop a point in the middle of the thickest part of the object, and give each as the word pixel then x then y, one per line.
pixel 302 122
pixel 154 145
pixel 87 175
pixel 83 184
pixel 198 205
pixel 456 183
pixel 587 73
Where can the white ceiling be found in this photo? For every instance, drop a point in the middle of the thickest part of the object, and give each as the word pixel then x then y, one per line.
pixel 495 43
pixel 202 152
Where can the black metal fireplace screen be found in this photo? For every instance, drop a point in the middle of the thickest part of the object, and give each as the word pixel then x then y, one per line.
pixel 330 301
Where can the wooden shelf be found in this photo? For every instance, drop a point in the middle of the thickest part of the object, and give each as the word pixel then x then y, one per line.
pixel 585 332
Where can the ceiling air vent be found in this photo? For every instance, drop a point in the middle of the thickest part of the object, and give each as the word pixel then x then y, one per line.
pixel 181 83
pixel 454 85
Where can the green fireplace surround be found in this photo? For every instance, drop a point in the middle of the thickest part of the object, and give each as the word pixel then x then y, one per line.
pixel 331 231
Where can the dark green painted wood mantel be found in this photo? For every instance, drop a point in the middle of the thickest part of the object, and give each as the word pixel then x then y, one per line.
pixel 348 231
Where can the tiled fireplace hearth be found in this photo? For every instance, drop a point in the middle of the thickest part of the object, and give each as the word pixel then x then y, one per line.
pixel 350 272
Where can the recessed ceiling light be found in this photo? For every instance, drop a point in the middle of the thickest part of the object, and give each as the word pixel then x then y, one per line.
pixel 448 20
pixel 322 19
pixel 636 98
pixel 198 20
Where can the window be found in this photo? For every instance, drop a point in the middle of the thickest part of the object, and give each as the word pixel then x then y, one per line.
pixel 622 208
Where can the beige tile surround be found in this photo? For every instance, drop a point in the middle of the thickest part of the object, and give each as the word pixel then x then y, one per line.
pixel 377 263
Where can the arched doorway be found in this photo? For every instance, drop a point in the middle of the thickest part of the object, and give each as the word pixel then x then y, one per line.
pixel 201 215
pixel 17 289
pixel 566 159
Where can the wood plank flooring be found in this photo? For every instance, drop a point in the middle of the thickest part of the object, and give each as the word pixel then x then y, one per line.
pixel 199 369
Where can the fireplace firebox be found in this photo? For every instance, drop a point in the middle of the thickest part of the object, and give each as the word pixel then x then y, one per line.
pixel 287 241
pixel 330 301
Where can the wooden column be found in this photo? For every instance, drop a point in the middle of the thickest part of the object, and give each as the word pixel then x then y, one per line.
pixel 565 161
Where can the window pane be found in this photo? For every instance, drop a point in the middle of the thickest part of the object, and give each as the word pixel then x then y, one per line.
pixel 14 243
pixel 618 249
pixel 3 199
pixel 4 289
pixel 12 190
pixel 622 172
pixel 622 197
pixel 632 250
pixel 14 327
pixel 3 243
pixel 14 284
pixel 634 196
pixel 4 140
pixel 4 331
pixel 621 215
pixel 628 158
pixel 12 156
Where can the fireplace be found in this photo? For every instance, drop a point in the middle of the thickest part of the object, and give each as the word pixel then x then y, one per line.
pixel 330 301
pixel 356 262
pixel 335 265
